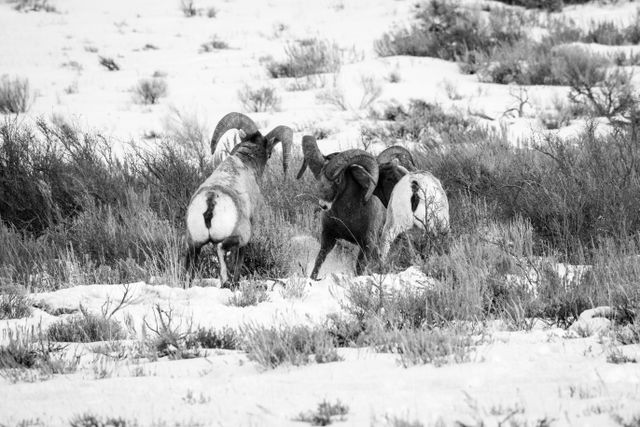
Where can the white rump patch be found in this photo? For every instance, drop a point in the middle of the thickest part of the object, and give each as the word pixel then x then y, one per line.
pixel 195 220
pixel 223 220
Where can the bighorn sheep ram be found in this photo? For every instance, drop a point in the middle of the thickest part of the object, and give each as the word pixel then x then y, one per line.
pixel 223 208
pixel 413 198
pixel 347 181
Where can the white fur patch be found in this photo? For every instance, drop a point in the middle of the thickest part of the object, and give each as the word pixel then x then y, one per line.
pixel 195 220
pixel 223 219
pixel 325 205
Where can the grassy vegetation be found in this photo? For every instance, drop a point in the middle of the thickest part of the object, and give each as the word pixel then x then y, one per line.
pixel 92 420
pixel 548 5
pixel 516 212
pixel 86 327
pixel 306 57
pixel 225 338
pixel 497 48
pixel 34 6
pixel 28 356
pixel 149 91
pixel 108 63
pixel 15 95
pixel 214 43
pixel 249 293
pixel 14 303
pixel 74 213
pixel 255 100
pixel 272 346
pixel 325 414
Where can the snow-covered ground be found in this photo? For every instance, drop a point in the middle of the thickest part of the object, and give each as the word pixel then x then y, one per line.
pixel 547 373
pixel 59 53
pixel 544 374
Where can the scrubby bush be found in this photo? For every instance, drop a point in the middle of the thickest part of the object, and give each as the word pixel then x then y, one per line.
pixel 610 33
pixel 607 91
pixel 27 356
pixel 172 336
pixel 325 414
pixel 306 57
pixel 297 345
pixel 444 29
pixel 369 91
pixel 213 44
pixel 15 95
pixel 108 63
pixel 248 294
pixel 565 188
pixel 91 420
pixel 34 5
pixel 188 8
pixel 256 100
pixel 48 170
pixel 549 5
pixel 225 338
pixel 14 304
pixel 149 91
pixel 87 327
pixel 525 62
pixel 573 192
pixel 425 123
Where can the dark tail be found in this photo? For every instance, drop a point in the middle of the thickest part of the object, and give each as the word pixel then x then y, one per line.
pixel 415 198
pixel 208 214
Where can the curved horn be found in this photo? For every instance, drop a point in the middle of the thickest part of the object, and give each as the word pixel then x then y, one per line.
pixel 313 158
pixel 400 153
pixel 282 134
pixel 232 121
pixel 354 156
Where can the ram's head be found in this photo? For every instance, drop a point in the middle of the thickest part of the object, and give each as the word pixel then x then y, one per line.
pixel 331 171
pixel 252 143
pixel 394 163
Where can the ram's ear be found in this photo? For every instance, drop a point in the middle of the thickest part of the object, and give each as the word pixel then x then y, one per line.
pixel 365 180
pixel 398 169
pixel 242 134
pixel 271 142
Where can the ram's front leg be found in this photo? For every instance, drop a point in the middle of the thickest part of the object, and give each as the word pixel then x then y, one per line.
pixel 326 245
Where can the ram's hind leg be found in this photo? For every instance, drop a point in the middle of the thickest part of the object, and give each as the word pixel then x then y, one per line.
pixel 224 276
pixel 368 253
pixel 229 244
pixel 190 262
pixel 239 260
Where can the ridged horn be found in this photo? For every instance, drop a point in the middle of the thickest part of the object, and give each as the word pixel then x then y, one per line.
pixel 313 158
pixel 232 121
pixel 282 134
pixel 350 157
pixel 403 156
